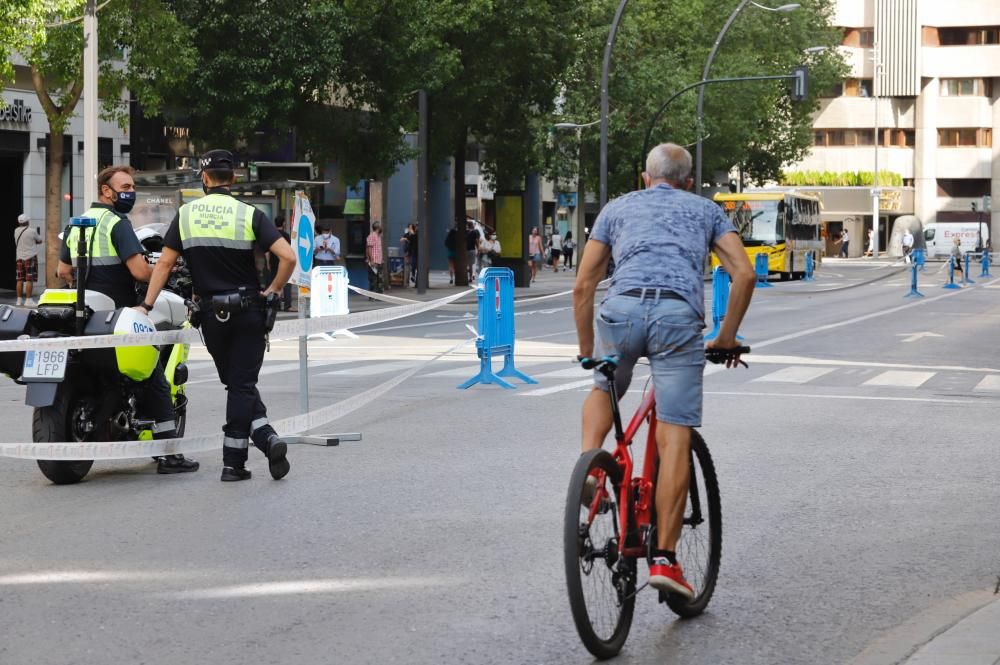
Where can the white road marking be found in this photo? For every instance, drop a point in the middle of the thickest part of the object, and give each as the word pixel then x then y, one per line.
pixel 558 389
pixel 795 374
pixel 299 587
pixel 913 337
pixel 989 382
pixel 804 360
pixel 371 369
pixel 899 379
pixel 819 398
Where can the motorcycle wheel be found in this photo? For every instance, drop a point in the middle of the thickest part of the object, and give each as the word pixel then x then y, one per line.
pixel 62 422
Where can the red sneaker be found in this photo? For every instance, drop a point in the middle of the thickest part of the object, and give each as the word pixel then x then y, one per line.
pixel 669 577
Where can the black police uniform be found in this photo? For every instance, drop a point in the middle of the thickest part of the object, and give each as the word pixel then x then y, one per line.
pixel 113 279
pixel 217 236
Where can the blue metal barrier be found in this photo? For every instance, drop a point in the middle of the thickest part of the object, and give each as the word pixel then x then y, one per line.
pixel 720 300
pixel 986 265
pixel 919 258
pixel 951 274
pixel 913 284
pixel 495 297
pixel 810 267
pixel 966 279
pixel 761 268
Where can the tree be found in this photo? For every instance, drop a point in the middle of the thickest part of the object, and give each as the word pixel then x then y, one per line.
pixel 23 27
pixel 662 47
pixel 157 58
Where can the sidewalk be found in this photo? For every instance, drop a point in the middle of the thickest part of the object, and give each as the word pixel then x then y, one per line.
pixel 975 640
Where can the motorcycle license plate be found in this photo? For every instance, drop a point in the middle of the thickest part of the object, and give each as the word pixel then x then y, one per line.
pixel 46 365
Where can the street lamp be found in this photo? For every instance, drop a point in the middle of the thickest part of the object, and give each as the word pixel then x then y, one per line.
pixel 876 192
pixel 708 65
pixel 580 195
pixel 573 125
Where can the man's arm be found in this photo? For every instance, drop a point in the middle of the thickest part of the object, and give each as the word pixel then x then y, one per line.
pixel 64 271
pixel 732 255
pixel 139 268
pixel 286 265
pixel 161 273
pixel 593 266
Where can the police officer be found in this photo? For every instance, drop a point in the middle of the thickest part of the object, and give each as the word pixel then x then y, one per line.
pixel 116 262
pixel 217 235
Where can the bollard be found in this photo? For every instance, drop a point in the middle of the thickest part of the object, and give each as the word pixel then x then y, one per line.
pixel 913 284
pixel 495 297
pixel 810 267
pixel 986 265
pixel 965 278
pixel 761 267
pixel 951 274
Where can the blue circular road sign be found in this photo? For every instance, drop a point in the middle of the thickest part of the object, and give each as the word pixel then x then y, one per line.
pixel 305 243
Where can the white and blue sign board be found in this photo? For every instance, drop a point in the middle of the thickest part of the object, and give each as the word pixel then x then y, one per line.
pixel 303 239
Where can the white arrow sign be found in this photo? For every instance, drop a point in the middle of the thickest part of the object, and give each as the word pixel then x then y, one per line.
pixel 913 337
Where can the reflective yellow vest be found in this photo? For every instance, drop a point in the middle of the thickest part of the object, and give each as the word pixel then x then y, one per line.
pixel 217 220
pixel 100 249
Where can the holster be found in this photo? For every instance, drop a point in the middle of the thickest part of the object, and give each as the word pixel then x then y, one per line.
pixel 271 305
pixel 226 304
pixel 194 312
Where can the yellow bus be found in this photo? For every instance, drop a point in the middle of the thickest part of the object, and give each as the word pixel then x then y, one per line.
pixel 783 225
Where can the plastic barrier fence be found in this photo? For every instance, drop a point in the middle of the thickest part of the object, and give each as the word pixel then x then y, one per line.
pixel 720 300
pixel 495 297
pixel 761 268
pixel 328 291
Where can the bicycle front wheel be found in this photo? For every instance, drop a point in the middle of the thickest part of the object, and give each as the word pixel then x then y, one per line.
pixel 601 583
pixel 699 549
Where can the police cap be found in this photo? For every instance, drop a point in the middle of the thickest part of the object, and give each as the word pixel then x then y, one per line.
pixel 217 159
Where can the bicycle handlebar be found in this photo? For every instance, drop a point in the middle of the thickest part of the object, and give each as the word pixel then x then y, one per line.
pixel 608 364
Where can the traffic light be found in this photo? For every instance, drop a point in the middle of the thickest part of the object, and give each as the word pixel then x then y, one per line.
pixel 800 84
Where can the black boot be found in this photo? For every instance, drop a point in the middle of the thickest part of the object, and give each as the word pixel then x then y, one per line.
pixel 232 474
pixel 277 460
pixel 176 464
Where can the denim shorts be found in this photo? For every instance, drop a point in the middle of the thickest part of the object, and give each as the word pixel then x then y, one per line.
pixel 668 332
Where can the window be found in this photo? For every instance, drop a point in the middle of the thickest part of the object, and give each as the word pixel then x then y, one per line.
pixel 966 88
pixel 965 137
pixel 836 138
pixel 857 87
pixel 859 37
pixel 970 36
pixel 963 187
pixel 836 90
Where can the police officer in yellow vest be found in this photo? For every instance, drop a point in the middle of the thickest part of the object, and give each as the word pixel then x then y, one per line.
pixel 217 235
pixel 116 262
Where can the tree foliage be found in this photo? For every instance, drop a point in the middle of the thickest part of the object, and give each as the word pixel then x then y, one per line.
pixel 23 26
pixel 662 47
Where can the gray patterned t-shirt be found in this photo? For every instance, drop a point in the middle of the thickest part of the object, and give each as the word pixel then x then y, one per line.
pixel 660 237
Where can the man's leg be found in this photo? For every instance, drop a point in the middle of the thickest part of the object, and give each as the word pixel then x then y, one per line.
pixel 674 445
pixel 597 419
pixel 27 289
pixel 19 291
pixel 158 404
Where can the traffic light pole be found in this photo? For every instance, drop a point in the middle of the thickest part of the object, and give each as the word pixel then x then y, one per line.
pixel 799 76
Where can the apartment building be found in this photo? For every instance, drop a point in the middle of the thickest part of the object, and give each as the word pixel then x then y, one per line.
pixel 930 70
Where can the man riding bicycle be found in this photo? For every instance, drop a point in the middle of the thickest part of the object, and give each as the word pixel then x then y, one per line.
pixel 659 239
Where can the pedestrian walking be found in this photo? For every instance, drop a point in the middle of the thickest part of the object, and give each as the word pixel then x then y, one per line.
pixel 871 243
pixel 217 236
pixel 373 257
pixel 489 249
pixel 555 246
pixel 273 263
pixel 327 252
pixel 569 245
pixel 26 242
pixel 956 257
pixel 535 251
pixel 907 245
pixel 115 262
pixel 410 242
pixel 472 238
pixel 844 240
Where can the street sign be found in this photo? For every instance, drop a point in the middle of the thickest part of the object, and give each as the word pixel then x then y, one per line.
pixel 303 239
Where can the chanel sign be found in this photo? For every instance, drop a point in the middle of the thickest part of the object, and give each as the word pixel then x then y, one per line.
pixel 16 112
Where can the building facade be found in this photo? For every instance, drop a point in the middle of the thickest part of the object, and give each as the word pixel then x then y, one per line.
pixel 930 70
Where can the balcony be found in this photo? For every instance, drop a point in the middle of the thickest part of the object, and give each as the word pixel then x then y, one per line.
pixel 958 13
pixel 859 112
pixel 963 163
pixel 964 112
pixel 839 160
pixel 961 61
pixel 859 60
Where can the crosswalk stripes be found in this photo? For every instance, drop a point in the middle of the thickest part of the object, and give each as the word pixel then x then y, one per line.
pixel 899 379
pixel 795 374
pixel 989 382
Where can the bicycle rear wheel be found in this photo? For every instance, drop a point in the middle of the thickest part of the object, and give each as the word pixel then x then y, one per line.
pixel 601 584
pixel 699 549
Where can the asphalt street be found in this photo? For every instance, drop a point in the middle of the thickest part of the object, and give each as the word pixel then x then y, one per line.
pixel 856 455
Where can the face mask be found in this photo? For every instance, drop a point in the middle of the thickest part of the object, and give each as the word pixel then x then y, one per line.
pixel 124 202
pixel 326 236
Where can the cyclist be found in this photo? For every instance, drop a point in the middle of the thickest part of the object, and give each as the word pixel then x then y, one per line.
pixel 659 238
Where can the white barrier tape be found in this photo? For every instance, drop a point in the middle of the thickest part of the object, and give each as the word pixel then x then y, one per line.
pixel 287 329
pixel 520 301
pixel 115 450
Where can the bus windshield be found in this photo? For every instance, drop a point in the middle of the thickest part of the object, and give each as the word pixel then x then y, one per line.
pixel 757 222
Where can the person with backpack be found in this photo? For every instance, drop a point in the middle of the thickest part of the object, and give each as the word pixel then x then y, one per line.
pixel 26 242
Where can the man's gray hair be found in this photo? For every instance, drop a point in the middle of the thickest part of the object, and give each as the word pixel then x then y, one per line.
pixel 670 162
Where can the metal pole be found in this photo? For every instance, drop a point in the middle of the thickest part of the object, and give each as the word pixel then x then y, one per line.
pixel 303 356
pixel 701 94
pixel 875 180
pixel 90 102
pixel 605 69
pixel 423 200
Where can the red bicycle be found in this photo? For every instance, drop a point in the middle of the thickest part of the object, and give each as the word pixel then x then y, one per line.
pixel 610 525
